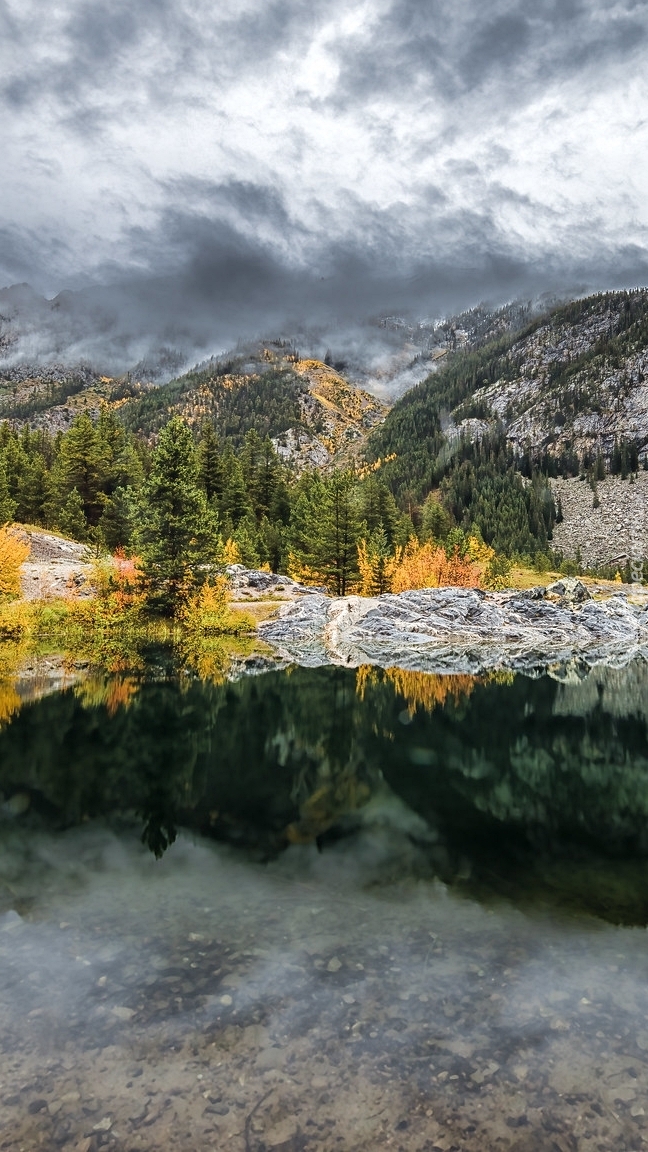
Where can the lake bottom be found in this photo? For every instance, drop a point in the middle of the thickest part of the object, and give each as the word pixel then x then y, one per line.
pixel 321 1001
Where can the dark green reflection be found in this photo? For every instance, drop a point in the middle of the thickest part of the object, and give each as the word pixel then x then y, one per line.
pixel 529 789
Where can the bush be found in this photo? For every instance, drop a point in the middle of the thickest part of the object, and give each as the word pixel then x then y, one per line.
pixel 14 550
pixel 208 612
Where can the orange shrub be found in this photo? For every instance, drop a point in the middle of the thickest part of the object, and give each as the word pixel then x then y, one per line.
pixel 428 566
pixel 14 550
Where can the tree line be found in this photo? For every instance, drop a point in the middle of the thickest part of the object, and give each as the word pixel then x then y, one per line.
pixel 194 501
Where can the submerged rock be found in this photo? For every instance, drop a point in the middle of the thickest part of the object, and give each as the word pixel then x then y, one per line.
pixel 460 629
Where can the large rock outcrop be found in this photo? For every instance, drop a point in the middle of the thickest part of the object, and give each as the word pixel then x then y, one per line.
pixel 461 629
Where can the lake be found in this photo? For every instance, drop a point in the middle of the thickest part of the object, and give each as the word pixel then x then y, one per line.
pixel 325 909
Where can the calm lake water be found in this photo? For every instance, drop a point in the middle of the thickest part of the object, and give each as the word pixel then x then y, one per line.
pixel 325 909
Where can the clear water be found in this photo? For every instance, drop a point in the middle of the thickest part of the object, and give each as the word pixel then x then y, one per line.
pixel 321 909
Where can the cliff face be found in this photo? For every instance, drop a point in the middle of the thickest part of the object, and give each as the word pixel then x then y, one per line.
pixel 576 380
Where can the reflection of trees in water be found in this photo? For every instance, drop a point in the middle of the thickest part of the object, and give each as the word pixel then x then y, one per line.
pixel 427 690
pixel 510 784
pixel 112 693
pixel 12 654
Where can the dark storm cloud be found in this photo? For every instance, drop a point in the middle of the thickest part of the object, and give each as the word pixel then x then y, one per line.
pixel 448 50
pixel 378 165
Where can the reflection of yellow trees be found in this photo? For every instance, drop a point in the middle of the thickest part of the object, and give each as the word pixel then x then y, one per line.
pixel 205 657
pixel 12 654
pixel 10 702
pixel 112 694
pixel 428 690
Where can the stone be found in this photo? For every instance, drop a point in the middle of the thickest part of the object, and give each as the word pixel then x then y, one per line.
pixel 271 1058
pixel 569 589
pixel 460 630
pixel 123 1013
pixel 103 1125
pixel 334 965
pixel 17 804
pixel 280 1133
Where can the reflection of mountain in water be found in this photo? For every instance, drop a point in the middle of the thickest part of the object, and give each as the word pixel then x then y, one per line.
pixel 525 788
pixel 617 691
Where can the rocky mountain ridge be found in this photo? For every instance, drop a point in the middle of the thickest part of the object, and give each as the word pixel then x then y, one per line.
pixel 575 381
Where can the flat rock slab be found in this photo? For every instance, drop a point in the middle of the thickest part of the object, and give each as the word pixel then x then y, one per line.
pixel 55 567
pixel 460 630
pixel 54 579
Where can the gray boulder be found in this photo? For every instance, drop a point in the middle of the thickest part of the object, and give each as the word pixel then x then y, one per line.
pixel 459 630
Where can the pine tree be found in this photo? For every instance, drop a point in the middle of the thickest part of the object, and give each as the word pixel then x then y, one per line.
pixel 115 528
pixel 33 491
pixel 71 518
pixel 177 531
pixel 7 505
pixel 83 463
pixel 235 502
pixel 210 463
pixel 378 509
pixel 246 537
pixel 325 529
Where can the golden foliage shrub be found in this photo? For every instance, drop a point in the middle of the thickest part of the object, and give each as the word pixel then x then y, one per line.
pixel 428 566
pixel 14 550
pixel 303 574
pixel 16 620
pixel 376 570
pixel 232 552
pixel 208 611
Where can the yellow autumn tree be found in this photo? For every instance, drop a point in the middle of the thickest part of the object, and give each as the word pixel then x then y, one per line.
pixel 14 550
pixel 303 573
pixel 375 564
pixel 429 566
pixel 231 552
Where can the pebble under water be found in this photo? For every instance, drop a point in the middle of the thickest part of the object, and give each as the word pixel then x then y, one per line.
pixel 326 909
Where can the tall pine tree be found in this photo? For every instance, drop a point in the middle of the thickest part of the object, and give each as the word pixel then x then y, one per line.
pixel 178 530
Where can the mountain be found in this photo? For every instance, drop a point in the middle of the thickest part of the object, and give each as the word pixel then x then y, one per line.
pixel 505 430
pixel 311 412
pixel 563 390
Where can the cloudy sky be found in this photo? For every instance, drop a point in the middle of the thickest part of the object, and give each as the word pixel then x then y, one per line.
pixel 253 159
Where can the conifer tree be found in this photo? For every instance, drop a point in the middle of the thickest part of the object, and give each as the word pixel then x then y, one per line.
pixel 115 528
pixel 339 532
pixel 82 462
pixel 325 527
pixel 178 530
pixel 7 505
pixel 33 490
pixel 235 502
pixel 71 518
pixel 210 463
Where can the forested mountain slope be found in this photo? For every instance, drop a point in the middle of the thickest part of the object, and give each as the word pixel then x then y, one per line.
pixel 312 414
pixel 562 391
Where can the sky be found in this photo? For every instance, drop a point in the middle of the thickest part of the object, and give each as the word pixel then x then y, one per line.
pixel 221 167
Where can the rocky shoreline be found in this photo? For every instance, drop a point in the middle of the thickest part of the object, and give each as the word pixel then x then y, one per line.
pixel 461 630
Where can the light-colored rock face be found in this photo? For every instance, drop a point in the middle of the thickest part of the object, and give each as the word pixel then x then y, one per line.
pixel 460 630
pixel 55 568
pixel 603 396
pixel 250 583
pixel 612 533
